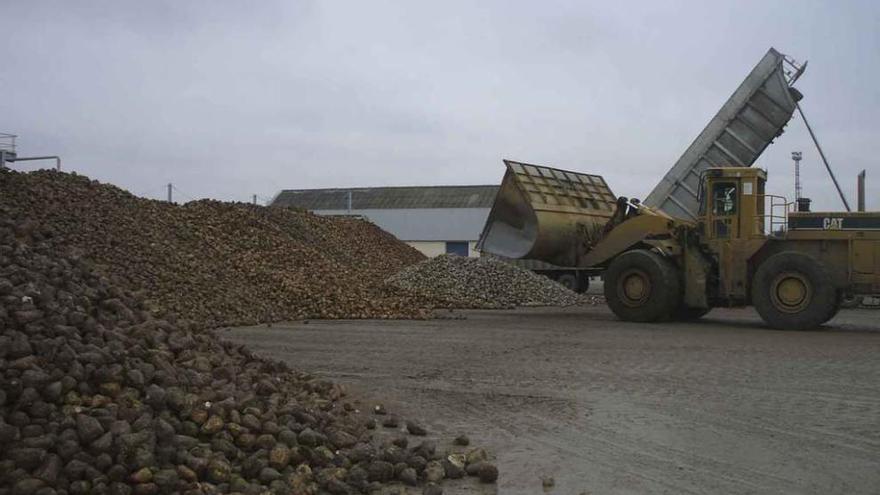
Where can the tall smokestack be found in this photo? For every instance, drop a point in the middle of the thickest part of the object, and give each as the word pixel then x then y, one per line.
pixel 861 191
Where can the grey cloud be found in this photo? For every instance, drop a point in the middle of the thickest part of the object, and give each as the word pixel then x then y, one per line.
pixel 227 99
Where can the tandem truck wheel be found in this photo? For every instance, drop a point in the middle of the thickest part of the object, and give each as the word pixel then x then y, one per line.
pixel 583 283
pixel 642 286
pixel 569 281
pixel 793 291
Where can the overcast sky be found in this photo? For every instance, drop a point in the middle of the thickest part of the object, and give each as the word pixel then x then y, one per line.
pixel 227 99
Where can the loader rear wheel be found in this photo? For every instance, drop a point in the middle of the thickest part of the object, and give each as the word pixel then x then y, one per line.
pixel 793 291
pixel 642 286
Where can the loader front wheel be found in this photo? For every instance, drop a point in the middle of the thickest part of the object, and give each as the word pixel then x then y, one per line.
pixel 793 291
pixel 642 286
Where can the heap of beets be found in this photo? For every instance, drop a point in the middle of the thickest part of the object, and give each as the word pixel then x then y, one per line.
pixel 98 395
pixel 219 263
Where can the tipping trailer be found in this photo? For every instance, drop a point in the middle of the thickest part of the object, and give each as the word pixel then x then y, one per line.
pixel 713 237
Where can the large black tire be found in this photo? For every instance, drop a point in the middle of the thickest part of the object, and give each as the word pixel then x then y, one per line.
pixel 793 291
pixel 686 313
pixel 834 309
pixel 569 281
pixel 583 283
pixel 642 286
pixel 850 302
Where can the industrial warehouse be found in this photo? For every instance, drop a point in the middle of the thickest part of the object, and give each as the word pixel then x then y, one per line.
pixel 432 219
pixel 403 248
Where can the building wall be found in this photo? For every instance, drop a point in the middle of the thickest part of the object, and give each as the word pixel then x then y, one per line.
pixel 425 224
pixel 436 248
pixel 472 248
pixel 427 229
pixel 429 248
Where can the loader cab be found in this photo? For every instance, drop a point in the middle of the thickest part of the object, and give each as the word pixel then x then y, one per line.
pixel 732 203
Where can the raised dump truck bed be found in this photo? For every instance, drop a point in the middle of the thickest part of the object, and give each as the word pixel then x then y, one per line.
pixel 747 123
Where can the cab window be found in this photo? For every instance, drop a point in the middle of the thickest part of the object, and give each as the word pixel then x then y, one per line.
pixel 724 198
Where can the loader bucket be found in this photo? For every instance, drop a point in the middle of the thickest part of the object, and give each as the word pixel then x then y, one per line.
pixel 546 214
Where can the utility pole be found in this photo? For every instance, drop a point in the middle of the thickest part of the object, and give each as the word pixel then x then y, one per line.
pixel 796 156
pixel 169 193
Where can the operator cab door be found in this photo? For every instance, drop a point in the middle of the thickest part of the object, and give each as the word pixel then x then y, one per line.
pixel 722 225
pixel 724 209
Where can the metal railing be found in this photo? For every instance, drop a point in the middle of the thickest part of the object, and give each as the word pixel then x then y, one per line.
pixel 7 142
pixel 793 69
pixel 775 215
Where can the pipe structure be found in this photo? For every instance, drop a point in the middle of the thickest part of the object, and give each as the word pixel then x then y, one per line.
pixel 30 158
pixel 824 160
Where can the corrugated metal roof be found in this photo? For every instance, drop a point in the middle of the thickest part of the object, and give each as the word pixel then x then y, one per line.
pixel 380 198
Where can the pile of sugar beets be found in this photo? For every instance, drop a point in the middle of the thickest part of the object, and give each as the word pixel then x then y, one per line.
pixel 100 395
pixel 483 282
pixel 220 263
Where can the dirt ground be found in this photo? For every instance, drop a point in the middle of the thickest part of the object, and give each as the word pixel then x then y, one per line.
pixel 722 405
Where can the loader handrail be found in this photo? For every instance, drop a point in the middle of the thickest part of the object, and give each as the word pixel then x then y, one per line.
pixel 776 210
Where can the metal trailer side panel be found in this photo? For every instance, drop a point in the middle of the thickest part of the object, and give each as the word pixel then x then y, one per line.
pixel 748 122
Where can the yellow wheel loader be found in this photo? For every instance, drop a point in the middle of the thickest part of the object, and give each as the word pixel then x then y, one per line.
pixel 744 248
pixel 708 235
